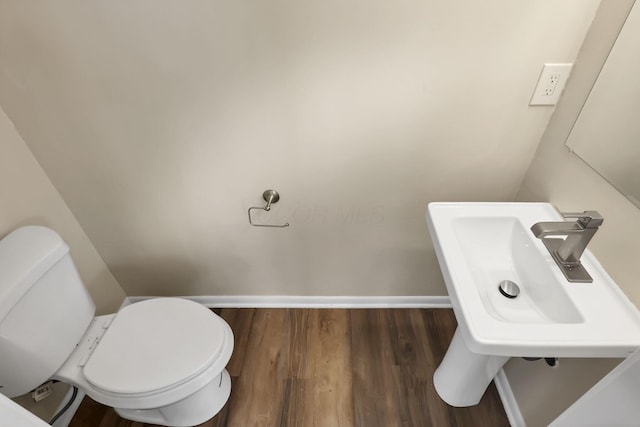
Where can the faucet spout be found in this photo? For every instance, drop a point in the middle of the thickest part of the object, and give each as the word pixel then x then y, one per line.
pixel 544 229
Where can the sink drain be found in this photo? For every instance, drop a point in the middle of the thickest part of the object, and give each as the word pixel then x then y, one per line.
pixel 508 288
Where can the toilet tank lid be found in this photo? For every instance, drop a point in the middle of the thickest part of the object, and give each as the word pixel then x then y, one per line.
pixel 25 256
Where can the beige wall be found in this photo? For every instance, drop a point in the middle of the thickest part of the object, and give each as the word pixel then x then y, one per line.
pixel 563 179
pixel 27 197
pixel 161 122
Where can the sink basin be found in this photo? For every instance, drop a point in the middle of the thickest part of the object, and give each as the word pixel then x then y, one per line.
pixel 497 249
pixel 478 245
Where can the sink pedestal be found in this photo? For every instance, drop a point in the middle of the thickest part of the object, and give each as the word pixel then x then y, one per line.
pixel 463 376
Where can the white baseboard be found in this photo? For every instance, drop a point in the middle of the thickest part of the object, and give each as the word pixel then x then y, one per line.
pixel 509 402
pixel 287 301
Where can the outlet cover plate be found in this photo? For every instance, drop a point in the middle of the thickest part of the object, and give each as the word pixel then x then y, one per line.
pixel 550 84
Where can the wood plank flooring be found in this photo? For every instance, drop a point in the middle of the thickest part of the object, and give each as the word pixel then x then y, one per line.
pixel 333 368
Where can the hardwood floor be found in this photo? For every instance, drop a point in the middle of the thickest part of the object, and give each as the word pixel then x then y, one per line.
pixel 333 368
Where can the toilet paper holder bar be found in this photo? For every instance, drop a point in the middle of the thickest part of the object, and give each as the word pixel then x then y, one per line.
pixel 269 196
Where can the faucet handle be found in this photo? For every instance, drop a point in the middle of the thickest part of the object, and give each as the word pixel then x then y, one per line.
pixel 587 219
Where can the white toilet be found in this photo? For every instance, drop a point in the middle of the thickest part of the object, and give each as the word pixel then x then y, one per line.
pixel 159 361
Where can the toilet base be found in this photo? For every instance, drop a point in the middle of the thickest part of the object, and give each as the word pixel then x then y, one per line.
pixel 192 410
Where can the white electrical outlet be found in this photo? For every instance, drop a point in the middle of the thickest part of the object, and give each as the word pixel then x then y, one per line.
pixel 550 84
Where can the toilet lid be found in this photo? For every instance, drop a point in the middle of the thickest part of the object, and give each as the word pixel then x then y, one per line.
pixel 155 344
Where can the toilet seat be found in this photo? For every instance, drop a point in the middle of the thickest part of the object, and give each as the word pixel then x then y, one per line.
pixel 156 345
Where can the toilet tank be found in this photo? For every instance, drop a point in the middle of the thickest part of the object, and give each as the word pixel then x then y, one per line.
pixel 44 308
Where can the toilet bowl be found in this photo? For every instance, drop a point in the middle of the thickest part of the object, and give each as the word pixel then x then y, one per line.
pixel 159 361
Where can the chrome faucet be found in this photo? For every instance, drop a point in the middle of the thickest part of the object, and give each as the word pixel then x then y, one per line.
pixel 567 252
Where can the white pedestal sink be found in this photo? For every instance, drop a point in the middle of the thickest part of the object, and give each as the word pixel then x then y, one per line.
pixel 480 244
